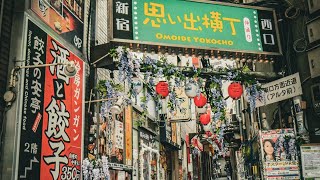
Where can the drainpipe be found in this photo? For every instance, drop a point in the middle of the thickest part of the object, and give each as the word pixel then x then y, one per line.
pixel 239 117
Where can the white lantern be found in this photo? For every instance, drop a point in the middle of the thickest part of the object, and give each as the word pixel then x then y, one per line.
pixel 137 85
pixel 191 89
pixel 117 107
pixel 207 127
pixel 201 110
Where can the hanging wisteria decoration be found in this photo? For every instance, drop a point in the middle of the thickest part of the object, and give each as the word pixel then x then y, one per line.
pixel 154 70
pixel 96 169
pixel 254 92
pixel 105 167
pixel 221 139
pixel 110 93
pixel 172 103
pixel 292 149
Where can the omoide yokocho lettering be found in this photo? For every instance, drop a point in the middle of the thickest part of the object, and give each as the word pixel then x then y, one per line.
pixel 179 38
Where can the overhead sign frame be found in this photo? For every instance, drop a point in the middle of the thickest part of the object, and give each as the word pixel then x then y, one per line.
pixel 128 36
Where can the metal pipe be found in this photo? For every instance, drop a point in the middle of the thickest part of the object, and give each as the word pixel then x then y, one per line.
pixel 259 119
pixel 100 100
pixel 97 115
pixel 280 119
pixel 12 82
pixel 238 112
pixel 40 65
pixel 100 59
pixel 90 100
pixel 188 71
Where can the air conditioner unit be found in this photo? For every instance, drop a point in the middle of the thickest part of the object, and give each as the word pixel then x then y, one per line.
pixel 314 5
pixel 315 92
pixel 314 62
pixel 313 30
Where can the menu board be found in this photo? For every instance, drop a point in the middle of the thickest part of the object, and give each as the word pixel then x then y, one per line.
pixel 310 160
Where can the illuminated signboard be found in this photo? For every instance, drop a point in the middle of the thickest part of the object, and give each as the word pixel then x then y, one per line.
pixel 196 25
pixel 65 17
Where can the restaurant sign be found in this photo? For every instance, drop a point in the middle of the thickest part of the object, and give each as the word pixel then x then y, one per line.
pixel 65 17
pixel 206 25
pixel 51 125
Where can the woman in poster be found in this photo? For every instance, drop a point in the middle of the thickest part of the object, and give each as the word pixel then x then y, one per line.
pixel 268 147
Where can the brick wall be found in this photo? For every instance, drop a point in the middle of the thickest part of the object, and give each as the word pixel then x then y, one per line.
pixel 101 28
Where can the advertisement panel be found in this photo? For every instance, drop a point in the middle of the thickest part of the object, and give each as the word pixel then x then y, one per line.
pixel 65 17
pixel 148 156
pixel 310 160
pixel 198 25
pixel 51 131
pixel 117 140
pixel 279 154
pixel 180 111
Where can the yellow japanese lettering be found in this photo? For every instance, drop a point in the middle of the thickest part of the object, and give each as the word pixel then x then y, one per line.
pixel 206 21
pixel 232 21
pixel 191 21
pixel 170 19
pixel 155 11
pixel 179 19
pixel 216 23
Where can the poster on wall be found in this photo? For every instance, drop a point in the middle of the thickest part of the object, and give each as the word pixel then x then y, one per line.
pixel 65 17
pixel 148 156
pixel 310 160
pixel 117 135
pixel 52 115
pixel 181 110
pixel 279 154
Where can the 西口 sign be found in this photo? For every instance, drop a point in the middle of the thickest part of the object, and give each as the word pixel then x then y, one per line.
pixel 281 89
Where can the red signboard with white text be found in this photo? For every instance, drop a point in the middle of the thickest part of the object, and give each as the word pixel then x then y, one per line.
pixel 65 17
pixel 51 133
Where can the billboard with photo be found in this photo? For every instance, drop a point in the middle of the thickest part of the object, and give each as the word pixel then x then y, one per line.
pixel 65 17
pixel 279 154
pixel 51 138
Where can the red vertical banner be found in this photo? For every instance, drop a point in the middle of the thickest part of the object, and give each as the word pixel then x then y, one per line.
pixel 62 116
